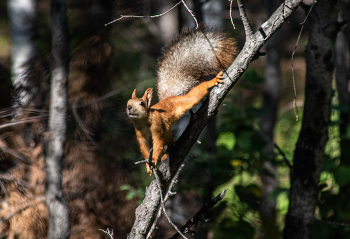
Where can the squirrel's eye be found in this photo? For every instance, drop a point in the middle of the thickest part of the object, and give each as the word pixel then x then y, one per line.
pixel 142 103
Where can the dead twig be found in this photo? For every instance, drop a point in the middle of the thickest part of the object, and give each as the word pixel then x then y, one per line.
pixel 248 30
pixel 189 10
pixel 108 232
pixel 132 16
pixel 198 217
pixel 28 120
pixel 234 27
pixel 167 195
pixel 163 206
pixel 283 155
pixel 296 112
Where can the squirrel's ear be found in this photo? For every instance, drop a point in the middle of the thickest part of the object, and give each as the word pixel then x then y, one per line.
pixel 133 96
pixel 148 97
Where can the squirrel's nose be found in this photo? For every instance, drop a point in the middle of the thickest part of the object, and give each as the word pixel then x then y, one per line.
pixel 129 107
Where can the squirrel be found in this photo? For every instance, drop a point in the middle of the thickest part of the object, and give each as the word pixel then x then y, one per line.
pixel 184 63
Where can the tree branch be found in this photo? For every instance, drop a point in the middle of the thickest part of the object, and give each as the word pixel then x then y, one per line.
pixel 198 217
pixel 245 20
pixel 167 195
pixel 163 204
pixel 146 212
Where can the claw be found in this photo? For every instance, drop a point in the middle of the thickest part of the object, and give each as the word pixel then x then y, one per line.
pixel 218 77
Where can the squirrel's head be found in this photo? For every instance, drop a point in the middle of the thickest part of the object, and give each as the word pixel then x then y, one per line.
pixel 138 108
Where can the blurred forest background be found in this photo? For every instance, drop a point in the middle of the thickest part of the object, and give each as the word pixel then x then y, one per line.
pixel 248 148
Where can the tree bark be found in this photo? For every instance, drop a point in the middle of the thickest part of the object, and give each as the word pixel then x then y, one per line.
pixel 342 76
pixel 309 152
pixel 22 14
pixel 55 201
pixel 145 213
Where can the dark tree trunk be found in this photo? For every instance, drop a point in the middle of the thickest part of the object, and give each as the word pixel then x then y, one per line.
pixel 271 96
pixel 309 152
pixel 342 75
pixel 55 201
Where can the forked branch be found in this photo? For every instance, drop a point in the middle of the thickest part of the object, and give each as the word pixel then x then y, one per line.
pixel 146 213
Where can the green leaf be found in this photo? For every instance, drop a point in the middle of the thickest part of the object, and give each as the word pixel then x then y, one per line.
pixel 226 139
pixel 124 187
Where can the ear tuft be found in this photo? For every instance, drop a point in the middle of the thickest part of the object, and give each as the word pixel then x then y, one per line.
pixel 147 97
pixel 133 96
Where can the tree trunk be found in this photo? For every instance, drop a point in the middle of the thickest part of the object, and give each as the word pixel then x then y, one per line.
pixel 55 201
pixel 342 75
pixel 271 97
pixel 22 22
pixel 309 152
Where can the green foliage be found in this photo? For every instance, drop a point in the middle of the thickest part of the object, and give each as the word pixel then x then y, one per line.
pixel 334 206
pixel 227 140
pixel 132 193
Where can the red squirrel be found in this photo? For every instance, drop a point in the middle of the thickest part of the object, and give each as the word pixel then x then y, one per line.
pixel 190 57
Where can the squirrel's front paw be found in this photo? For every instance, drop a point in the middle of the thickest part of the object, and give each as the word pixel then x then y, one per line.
pixel 218 77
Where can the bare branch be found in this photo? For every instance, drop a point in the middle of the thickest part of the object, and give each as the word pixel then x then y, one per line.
pixel 132 16
pixel 108 233
pixel 198 217
pixel 246 24
pixel 283 155
pixel 163 206
pixel 189 10
pixel 296 111
pixel 231 14
pixel 28 120
pixel 167 195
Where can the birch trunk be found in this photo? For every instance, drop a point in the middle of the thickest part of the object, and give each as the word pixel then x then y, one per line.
pixel 55 201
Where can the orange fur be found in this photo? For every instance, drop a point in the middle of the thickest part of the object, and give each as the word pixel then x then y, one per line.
pixel 157 120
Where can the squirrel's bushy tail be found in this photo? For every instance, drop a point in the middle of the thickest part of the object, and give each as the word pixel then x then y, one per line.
pixel 190 57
